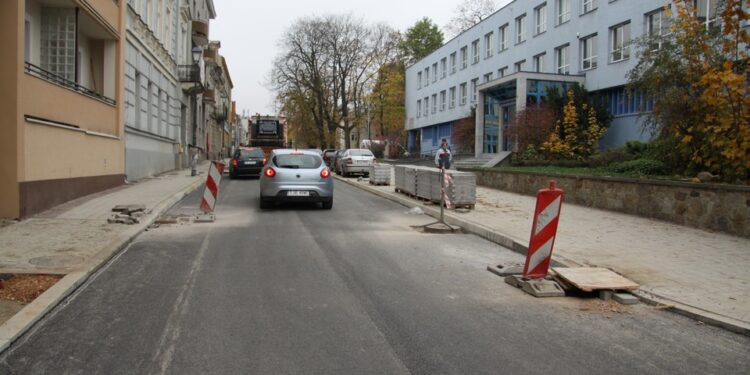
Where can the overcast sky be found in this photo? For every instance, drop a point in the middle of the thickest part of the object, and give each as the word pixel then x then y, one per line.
pixel 249 31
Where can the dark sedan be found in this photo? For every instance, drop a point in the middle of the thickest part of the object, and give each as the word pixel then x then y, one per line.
pixel 247 162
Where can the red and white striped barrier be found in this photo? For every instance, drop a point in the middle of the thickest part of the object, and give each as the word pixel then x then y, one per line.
pixel 211 192
pixel 543 232
pixel 447 182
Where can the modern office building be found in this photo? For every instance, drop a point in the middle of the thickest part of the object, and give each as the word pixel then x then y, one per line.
pixel 508 60
pixel 61 128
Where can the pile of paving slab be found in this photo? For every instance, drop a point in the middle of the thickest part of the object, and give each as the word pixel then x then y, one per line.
pixel 424 183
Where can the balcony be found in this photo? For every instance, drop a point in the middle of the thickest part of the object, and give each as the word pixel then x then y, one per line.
pixel 200 32
pixel 191 78
pixel 64 82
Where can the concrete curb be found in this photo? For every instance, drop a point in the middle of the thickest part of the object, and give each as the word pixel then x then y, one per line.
pixel 513 244
pixel 32 313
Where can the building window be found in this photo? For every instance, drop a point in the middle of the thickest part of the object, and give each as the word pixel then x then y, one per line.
pixel 563 11
pixel 453 62
pixel 434 72
pixel 620 101
pixel 58 42
pixel 475 52
pixel 426 111
pixel 588 52
pixel 464 57
pixel 487 77
pixel 419 80
pixel 427 76
pixel 463 94
pixel 620 42
pixel 442 100
pixel 519 66
pixel 434 103
pixel 521 29
pixel 453 97
pixel 419 108
pixel 474 84
pixel 539 62
pixel 657 26
pixel 540 19
pixel 443 68
pixel 502 72
pixel 562 59
pixel 588 6
pixel 488 46
pixel 503 37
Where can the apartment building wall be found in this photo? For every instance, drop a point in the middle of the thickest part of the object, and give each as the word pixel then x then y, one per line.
pixel 61 115
pixel 581 25
pixel 153 95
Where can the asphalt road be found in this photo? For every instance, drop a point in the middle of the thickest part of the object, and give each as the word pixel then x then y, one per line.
pixel 354 290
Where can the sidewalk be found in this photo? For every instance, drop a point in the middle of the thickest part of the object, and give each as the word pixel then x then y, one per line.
pixel 701 274
pixel 74 239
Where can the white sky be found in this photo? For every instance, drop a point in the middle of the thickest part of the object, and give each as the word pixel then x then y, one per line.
pixel 249 31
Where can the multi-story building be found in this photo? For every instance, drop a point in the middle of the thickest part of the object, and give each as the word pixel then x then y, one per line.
pixel 152 89
pixel 194 22
pixel 218 102
pixel 61 128
pixel 494 69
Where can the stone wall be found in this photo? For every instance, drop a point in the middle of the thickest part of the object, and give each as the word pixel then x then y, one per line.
pixel 717 207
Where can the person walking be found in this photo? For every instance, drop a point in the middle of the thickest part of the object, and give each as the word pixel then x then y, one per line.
pixel 443 157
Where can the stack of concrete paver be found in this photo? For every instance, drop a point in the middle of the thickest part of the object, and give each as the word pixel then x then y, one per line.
pixel 410 180
pixel 426 180
pixel 398 174
pixel 424 183
pixel 380 174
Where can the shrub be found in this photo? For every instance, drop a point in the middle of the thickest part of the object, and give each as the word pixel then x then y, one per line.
pixel 640 166
pixel 636 148
pixel 611 156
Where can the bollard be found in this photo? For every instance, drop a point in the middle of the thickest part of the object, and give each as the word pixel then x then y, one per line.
pixel 211 192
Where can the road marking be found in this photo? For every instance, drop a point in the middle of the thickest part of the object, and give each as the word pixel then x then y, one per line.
pixel 171 332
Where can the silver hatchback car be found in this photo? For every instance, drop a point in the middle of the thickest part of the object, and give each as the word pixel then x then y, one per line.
pixel 295 176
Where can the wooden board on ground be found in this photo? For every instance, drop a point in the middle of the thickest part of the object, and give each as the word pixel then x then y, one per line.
pixel 590 279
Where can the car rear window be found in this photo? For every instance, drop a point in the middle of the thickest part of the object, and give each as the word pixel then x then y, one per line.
pixel 251 153
pixel 360 153
pixel 297 161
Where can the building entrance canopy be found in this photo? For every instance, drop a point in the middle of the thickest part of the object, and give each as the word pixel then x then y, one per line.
pixel 498 102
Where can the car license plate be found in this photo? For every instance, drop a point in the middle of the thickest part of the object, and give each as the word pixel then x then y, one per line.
pixel 251 162
pixel 298 193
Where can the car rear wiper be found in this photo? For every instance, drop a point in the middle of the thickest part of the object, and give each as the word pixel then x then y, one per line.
pixel 289 166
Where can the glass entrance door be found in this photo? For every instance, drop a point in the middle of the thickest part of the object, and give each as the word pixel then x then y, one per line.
pixel 508 116
pixel 491 125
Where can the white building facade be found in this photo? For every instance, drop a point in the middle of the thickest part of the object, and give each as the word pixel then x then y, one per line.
pixel 157 110
pixel 509 60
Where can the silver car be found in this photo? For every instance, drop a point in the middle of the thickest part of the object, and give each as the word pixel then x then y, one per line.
pixel 295 176
pixel 356 160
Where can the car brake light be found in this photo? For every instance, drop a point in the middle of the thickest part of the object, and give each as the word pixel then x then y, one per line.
pixel 234 162
pixel 270 172
pixel 264 161
pixel 325 173
pixel 349 161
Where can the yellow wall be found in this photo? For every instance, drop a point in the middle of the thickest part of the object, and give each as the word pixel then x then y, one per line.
pixel 106 10
pixel 11 12
pixel 54 153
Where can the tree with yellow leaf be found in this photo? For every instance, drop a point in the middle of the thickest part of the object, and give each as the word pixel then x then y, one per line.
pixel 699 83
pixel 576 136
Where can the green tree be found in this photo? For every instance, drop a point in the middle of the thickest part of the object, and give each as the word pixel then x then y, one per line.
pixel 387 98
pixel 697 77
pixel 420 40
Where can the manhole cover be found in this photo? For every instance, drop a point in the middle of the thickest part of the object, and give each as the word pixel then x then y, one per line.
pixel 57 261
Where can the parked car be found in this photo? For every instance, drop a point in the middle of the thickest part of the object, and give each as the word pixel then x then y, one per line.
pixel 296 176
pixel 328 156
pixel 356 160
pixel 246 161
pixel 337 161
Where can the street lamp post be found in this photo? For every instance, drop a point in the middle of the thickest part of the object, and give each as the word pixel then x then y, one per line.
pixel 196 54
